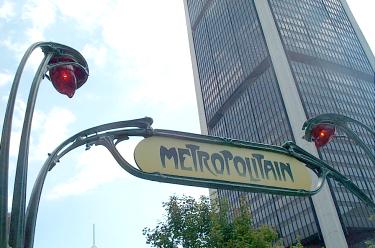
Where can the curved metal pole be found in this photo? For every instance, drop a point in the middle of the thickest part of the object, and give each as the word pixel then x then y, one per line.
pixel 17 231
pixel 120 131
pixel 19 200
pixel 5 144
pixel 109 143
pixel 329 171
pixel 331 118
pixel 345 119
pixel 341 121
pixel 87 137
pixel 352 135
pixel 117 132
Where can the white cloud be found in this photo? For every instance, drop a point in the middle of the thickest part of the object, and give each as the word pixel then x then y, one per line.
pixel 34 60
pixel 86 14
pixel 95 168
pixel 363 13
pixel 49 130
pixel 195 192
pixel 19 48
pixel 7 10
pixel 42 14
pixel 35 34
pixel 38 15
pixel 15 137
pixel 98 54
pixel 150 38
pixel 13 46
pixel 5 78
pixel 153 53
pixel 54 129
pixel 156 48
pixel 18 115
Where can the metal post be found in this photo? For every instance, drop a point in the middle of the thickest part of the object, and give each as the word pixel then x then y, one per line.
pixel 93 236
pixel 341 122
pixel 5 144
pixel 17 222
pixel 17 226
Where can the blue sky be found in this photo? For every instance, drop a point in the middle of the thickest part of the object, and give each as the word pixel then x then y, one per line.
pixel 139 61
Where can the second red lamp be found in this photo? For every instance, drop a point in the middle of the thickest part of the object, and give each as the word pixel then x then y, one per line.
pixel 322 134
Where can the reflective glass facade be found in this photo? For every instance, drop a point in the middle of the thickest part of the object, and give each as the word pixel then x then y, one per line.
pixel 242 99
pixel 333 75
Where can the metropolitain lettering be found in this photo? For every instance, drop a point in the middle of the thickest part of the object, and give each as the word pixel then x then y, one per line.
pixel 223 163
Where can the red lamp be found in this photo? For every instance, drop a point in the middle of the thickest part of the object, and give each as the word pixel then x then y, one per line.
pixel 321 134
pixel 66 75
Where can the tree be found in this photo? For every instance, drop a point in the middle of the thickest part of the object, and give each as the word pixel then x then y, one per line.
pixel 371 242
pixel 299 244
pixel 191 223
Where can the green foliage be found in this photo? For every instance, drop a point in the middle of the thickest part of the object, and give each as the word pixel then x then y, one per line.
pixel 190 223
pixel 298 245
pixel 370 243
pixel 186 224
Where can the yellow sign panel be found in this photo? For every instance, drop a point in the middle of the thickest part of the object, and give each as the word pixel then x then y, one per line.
pixel 173 156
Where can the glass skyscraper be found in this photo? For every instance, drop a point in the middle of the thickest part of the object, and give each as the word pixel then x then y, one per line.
pixel 261 68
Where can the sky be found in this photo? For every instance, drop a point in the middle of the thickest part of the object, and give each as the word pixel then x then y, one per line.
pixel 140 65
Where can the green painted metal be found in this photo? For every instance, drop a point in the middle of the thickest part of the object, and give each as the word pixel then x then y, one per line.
pixel 111 134
pixel 341 122
pixel 17 220
pixel 5 144
pixel 16 234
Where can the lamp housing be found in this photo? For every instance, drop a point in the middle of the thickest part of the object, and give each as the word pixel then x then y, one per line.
pixel 66 74
pixel 322 134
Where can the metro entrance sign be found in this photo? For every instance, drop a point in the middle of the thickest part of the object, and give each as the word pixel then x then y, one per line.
pixel 163 155
pixel 237 164
pixel 199 160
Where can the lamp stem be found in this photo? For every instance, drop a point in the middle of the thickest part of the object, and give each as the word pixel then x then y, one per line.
pixel 352 135
pixel 17 225
pixel 93 235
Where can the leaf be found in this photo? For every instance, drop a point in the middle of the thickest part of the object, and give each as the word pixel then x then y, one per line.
pixel 192 223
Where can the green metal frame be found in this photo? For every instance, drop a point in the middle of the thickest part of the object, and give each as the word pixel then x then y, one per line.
pixel 17 224
pixel 5 145
pixel 341 122
pixel 23 222
pixel 111 134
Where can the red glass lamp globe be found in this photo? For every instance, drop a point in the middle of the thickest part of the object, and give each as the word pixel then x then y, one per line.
pixel 66 78
pixel 322 134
